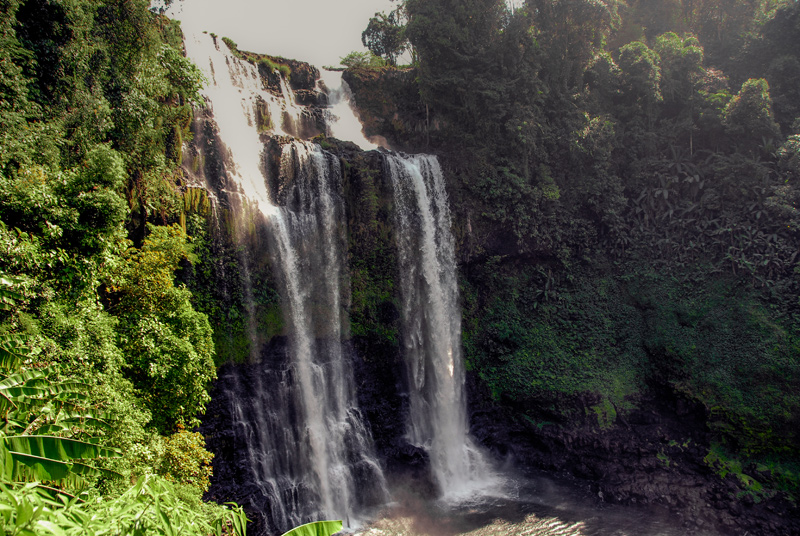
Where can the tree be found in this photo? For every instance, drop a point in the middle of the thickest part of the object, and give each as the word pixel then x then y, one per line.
pixel 167 344
pixel 748 117
pixel 385 36
pixel 641 79
pixel 570 32
pixel 362 60
pixel 457 46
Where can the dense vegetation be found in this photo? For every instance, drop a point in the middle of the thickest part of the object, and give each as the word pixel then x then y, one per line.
pixel 625 180
pixel 105 361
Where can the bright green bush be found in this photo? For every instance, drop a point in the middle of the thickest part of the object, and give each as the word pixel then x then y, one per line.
pixel 149 507
pixel 186 460
pixel 167 345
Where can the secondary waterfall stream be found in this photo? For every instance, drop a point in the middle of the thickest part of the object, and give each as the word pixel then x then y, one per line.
pixel 432 326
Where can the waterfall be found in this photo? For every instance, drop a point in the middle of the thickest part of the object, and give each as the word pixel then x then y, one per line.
pixel 432 326
pixel 297 428
pixel 309 240
pixel 340 118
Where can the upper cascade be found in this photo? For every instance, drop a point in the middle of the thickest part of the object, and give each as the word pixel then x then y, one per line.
pixel 233 93
pixel 247 101
pixel 340 119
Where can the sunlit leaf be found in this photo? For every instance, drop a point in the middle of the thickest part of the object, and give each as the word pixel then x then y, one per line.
pixel 317 528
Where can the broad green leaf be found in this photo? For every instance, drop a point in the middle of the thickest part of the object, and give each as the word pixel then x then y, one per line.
pixel 58 448
pixel 70 387
pixel 8 296
pixel 12 351
pixel 20 378
pixel 22 391
pixel 51 527
pixel 52 429
pixel 318 528
pixel 42 468
pixel 88 470
pixel 85 419
pixel 6 404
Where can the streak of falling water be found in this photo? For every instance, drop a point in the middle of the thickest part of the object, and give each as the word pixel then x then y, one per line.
pixel 432 328
pixel 309 241
pixel 340 118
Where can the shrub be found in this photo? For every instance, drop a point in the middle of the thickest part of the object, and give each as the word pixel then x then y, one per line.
pixel 186 460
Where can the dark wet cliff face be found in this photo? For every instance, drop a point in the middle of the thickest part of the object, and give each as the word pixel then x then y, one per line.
pixel 389 106
pixel 653 455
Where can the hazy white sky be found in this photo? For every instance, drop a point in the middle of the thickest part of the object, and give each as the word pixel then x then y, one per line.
pixel 316 31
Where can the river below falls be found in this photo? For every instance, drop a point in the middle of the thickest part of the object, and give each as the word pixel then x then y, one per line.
pixel 536 506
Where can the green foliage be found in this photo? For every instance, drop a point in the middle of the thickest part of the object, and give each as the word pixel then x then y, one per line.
pixel 720 462
pixel 167 344
pixel 642 73
pixel 385 36
pixel 150 506
pixel 48 431
pixel 569 32
pixel 681 63
pixel 95 101
pixel 362 60
pixel 374 315
pixel 318 528
pixel 740 361
pixel 231 44
pixel 748 117
pixel 534 339
pixel 272 66
pixel 8 296
pixel 186 460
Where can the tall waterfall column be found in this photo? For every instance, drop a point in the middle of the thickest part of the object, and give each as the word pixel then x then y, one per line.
pixel 432 326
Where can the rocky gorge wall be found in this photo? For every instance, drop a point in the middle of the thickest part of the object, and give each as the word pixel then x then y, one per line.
pixel 652 444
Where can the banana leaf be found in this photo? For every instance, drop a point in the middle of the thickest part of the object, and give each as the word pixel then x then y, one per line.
pixel 42 468
pixel 78 388
pixel 58 448
pixel 53 429
pixel 12 351
pixel 318 528
pixel 21 378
